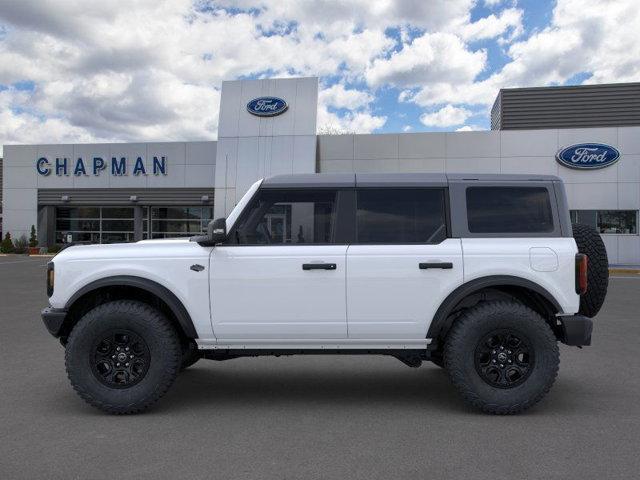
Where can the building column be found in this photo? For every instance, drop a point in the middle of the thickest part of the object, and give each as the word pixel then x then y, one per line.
pixel 46 229
pixel 138 216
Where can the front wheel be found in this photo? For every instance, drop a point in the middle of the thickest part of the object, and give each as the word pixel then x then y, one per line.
pixel 122 356
pixel 502 357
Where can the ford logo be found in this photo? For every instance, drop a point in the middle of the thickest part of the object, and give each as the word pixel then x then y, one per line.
pixel 588 156
pixel 267 106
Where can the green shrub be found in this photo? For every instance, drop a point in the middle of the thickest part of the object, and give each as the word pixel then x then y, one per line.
pixel 54 248
pixel 21 244
pixel 7 244
pixel 33 238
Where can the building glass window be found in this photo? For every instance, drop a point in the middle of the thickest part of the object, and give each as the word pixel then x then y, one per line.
pixel 94 224
pixel 621 222
pixel 279 217
pixel 171 222
pixel 401 216
pixel 509 210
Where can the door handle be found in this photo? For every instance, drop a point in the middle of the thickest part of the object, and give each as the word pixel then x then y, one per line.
pixel 197 267
pixel 319 266
pixel 442 265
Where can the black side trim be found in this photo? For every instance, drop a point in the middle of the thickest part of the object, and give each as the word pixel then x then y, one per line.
pixel 53 319
pixel 150 286
pixel 439 323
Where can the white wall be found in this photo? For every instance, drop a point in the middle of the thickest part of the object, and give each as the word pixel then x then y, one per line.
pixel 251 147
pixel 189 164
pixel 517 151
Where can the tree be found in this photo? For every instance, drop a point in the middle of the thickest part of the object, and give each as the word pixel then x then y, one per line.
pixel 33 238
pixel 7 244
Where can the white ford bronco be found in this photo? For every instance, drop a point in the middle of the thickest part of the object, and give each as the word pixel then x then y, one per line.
pixel 480 274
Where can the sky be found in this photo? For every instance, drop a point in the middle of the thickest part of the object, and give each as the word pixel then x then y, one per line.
pixel 75 71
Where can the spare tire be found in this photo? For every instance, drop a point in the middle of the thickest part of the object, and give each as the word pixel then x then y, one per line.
pixel 590 243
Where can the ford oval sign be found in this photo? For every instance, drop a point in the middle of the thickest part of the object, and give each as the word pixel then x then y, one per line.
pixel 588 156
pixel 267 106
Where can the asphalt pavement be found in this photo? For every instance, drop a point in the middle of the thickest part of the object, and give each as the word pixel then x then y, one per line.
pixel 310 417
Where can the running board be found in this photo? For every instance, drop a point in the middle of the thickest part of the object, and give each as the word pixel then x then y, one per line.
pixel 304 344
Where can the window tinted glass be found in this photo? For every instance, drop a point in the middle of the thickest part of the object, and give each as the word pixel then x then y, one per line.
pixel 608 221
pixel 509 210
pixel 289 216
pixel 401 216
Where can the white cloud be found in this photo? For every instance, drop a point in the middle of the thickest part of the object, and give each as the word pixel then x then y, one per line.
pixel 447 116
pixel 338 96
pixel 151 69
pixel 407 128
pixel 509 20
pixel 469 128
pixel 432 57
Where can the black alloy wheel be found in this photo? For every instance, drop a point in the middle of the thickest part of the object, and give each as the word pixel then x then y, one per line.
pixel 120 359
pixel 504 358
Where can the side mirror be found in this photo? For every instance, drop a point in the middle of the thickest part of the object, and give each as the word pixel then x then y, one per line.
pixel 217 230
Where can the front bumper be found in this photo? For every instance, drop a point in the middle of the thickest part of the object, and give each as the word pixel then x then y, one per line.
pixel 575 330
pixel 53 319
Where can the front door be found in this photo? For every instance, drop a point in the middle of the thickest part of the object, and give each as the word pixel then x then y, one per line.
pixel 281 275
pixel 402 265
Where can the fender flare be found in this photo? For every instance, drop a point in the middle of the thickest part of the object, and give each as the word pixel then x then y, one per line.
pixel 439 322
pixel 160 291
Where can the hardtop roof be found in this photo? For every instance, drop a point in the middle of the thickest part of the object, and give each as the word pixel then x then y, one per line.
pixel 345 180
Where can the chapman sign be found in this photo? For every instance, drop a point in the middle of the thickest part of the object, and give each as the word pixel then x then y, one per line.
pixel 588 156
pixel 95 166
pixel 267 106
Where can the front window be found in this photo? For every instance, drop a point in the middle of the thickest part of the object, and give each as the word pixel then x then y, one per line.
pixel 278 217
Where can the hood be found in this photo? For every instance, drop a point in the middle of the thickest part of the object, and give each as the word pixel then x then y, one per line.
pixel 144 248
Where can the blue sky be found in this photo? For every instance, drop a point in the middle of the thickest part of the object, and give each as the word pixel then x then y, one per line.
pixel 145 70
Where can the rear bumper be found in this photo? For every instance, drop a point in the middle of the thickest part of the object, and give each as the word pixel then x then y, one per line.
pixel 575 330
pixel 53 319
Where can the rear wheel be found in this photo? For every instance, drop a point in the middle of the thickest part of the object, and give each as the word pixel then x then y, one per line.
pixel 502 357
pixel 122 356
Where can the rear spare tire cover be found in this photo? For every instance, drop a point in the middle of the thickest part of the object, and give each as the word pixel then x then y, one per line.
pixel 590 243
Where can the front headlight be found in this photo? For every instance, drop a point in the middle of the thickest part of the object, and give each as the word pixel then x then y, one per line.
pixel 50 278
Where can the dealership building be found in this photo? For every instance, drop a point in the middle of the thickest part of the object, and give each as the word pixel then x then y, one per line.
pixel 99 193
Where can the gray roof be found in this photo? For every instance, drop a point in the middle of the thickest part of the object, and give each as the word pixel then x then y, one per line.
pixel 345 180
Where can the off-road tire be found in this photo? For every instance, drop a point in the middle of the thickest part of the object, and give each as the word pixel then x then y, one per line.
pixel 590 243
pixel 190 355
pixel 468 332
pixel 148 324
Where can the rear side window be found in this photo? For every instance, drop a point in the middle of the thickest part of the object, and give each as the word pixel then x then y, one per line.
pixel 388 215
pixel 509 210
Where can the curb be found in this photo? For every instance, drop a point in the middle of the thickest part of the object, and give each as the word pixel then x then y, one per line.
pixel 626 271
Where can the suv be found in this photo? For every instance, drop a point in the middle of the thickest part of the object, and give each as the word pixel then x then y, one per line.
pixel 480 274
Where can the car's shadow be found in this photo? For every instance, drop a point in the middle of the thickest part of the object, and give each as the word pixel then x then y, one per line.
pixel 213 384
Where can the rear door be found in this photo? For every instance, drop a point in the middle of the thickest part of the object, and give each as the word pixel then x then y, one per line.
pixel 402 264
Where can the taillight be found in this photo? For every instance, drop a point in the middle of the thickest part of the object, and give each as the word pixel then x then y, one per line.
pixel 50 278
pixel 581 273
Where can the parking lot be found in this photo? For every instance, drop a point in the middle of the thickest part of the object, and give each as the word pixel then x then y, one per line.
pixel 315 417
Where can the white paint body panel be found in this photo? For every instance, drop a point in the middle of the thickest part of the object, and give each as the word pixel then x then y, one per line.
pixel 377 297
pixel 165 262
pixel 388 296
pixel 484 257
pixel 262 292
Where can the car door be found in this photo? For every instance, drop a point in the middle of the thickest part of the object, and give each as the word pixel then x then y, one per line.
pixel 281 275
pixel 402 265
